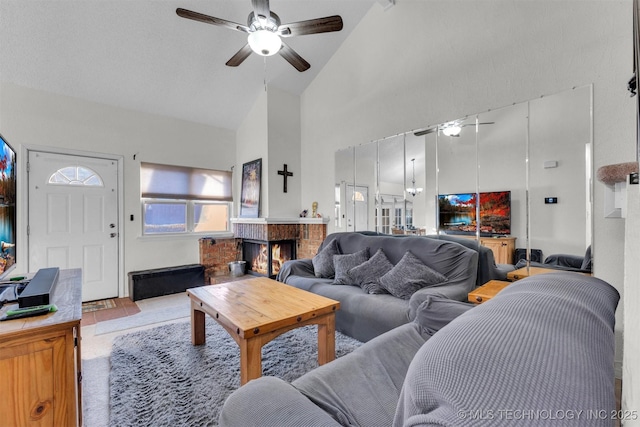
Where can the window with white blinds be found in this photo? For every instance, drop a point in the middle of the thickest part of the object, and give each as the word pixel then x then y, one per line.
pixel 182 200
pixel 181 182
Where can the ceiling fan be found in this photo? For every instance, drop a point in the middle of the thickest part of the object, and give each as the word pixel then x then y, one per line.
pixel 449 129
pixel 265 32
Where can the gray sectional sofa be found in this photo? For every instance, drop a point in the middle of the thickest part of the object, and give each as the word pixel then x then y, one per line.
pixel 363 315
pixel 487 267
pixel 541 352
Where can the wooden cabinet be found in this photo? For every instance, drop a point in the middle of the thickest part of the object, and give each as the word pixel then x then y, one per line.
pixel 503 248
pixel 40 361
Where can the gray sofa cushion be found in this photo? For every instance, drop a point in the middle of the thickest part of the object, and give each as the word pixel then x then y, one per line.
pixel 487 268
pixel 545 343
pixel 409 275
pixel 437 312
pixel 361 315
pixel 587 264
pixel 366 275
pixel 362 388
pixel 343 263
pixel 323 261
pixel 271 402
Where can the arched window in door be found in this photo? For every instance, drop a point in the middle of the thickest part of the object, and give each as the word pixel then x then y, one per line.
pixel 76 175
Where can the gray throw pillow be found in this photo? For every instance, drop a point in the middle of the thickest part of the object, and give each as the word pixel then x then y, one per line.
pixel 366 275
pixel 343 263
pixel 323 261
pixel 409 275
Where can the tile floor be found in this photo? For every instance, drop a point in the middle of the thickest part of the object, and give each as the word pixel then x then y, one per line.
pixel 124 307
pixel 100 345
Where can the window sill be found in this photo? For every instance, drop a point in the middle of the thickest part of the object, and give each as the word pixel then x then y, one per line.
pixel 186 236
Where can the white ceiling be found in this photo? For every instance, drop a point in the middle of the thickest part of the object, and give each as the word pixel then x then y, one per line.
pixel 139 55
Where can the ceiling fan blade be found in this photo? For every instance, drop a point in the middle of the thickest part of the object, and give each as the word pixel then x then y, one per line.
pixel 425 131
pixel 261 8
pixel 184 13
pixel 240 56
pixel 473 124
pixel 312 26
pixel 293 58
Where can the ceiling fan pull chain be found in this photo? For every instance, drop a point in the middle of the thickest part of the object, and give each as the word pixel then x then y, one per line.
pixel 265 73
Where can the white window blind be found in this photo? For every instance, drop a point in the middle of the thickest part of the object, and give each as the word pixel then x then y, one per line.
pixel 180 182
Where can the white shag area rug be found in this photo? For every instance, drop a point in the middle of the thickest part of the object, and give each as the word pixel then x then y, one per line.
pixel 158 378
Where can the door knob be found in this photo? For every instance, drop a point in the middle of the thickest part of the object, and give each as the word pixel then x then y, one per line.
pixel 112 226
pixel 113 235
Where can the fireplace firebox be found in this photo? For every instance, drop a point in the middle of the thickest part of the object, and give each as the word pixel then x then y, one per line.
pixel 264 258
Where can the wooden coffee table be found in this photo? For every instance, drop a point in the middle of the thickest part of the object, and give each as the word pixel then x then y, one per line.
pixel 255 311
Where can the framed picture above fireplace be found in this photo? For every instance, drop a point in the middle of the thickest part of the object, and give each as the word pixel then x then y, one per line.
pixel 250 190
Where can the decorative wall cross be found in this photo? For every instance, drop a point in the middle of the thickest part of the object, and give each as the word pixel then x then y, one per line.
pixel 285 173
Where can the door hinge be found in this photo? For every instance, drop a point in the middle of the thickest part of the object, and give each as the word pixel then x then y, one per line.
pixel 28 229
pixel 79 377
pixel 28 167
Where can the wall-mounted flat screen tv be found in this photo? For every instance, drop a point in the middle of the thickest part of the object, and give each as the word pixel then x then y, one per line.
pixel 457 213
pixel 7 207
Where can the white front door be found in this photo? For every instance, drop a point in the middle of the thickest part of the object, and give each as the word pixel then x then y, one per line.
pixel 73 219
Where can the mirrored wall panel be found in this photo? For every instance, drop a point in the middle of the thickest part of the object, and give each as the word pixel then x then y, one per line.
pixel 517 179
pixel 391 215
pixel 560 172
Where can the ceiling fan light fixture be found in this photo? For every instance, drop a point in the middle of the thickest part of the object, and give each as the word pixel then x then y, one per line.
pixel 264 42
pixel 413 190
pixel 452 130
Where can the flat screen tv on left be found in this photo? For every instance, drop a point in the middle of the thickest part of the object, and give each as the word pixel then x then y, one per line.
pixel 7 207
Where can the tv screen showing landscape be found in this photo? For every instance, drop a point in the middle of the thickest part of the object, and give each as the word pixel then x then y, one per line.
pixel 457 213
pixel 7 207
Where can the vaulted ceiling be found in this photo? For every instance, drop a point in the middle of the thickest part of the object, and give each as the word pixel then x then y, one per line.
pixel 139 55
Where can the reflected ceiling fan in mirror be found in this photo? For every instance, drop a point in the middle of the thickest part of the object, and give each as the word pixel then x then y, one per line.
pixel 265 32
pixel 453 128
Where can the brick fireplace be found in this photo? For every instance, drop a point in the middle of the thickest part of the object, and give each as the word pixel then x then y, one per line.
pixel 265 258
pixel 276 241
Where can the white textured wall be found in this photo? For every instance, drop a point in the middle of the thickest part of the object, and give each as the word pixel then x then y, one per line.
pixel 251 144
pixel 35 118
pixel 271 131
pixel 284 148
pixel 425 62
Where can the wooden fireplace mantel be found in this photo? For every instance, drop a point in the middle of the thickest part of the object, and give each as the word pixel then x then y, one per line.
pixel 323 220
